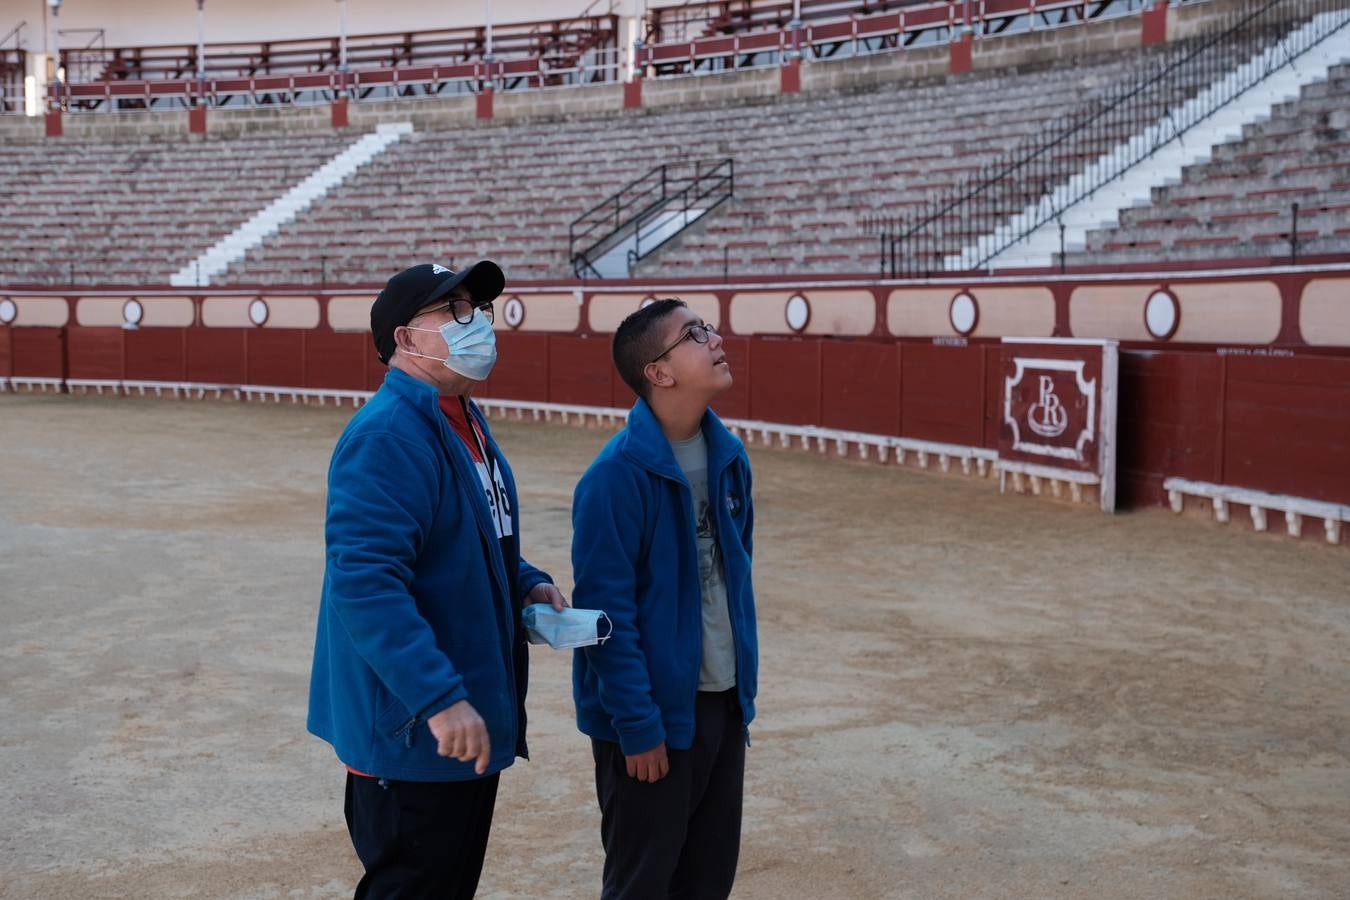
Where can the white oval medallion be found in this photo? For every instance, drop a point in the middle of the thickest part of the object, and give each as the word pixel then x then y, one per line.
pixel 513 312
pixel 797 312
pixel 964 313
pixel 1161 315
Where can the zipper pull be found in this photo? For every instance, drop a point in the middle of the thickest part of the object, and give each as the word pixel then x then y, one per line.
pixel 406 732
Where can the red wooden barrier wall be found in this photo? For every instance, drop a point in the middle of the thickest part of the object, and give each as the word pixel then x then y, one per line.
pixel 38 352
pixel 156 354
pixel 1277 421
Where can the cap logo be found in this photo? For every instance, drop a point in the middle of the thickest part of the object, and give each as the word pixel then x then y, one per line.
pixel 437 269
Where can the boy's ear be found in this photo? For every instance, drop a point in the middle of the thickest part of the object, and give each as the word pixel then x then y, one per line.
pixel 658 375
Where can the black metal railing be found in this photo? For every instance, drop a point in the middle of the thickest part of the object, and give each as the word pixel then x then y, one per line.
pixel 709 190
pixel 666 188
pixel 967 225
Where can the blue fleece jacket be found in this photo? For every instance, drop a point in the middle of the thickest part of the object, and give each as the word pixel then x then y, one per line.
pixel 635 555
pixel 420 605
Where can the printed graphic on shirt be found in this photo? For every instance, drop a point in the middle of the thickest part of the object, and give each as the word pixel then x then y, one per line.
pixel 489 473
pixel 709 563
pixel 498 500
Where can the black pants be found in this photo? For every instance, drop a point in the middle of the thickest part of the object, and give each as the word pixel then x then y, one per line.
pixel 419 839
pixel 681 836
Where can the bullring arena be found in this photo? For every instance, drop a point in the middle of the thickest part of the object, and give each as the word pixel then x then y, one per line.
pixel 1046 402
pixel 963 695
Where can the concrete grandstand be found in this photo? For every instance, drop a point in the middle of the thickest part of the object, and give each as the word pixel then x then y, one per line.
pixel 829 161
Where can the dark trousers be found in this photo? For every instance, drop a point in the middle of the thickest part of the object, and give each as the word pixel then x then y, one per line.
pixel 419 839
pixel 681 836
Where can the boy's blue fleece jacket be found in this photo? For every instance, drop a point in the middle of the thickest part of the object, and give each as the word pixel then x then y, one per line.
pixel 420 597
pixel 635 555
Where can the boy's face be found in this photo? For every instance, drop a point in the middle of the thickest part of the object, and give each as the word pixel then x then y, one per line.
pixel 688 364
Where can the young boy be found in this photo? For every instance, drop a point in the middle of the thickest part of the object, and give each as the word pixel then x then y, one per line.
pixel 662 524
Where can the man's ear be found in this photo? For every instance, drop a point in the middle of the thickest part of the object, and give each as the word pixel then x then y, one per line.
pixel 403 339
pixel 659 375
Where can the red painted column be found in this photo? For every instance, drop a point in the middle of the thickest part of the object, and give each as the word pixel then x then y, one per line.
pixel 790 77
pixel 54 126
pixel 632 93
pixel 1291 299
pixel 197 119
pixel 340 112
pixel 1062 293
pixel 961 53
pixel 485 103
pixel 1153 23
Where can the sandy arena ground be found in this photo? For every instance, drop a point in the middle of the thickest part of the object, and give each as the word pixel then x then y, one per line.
pixel 961 694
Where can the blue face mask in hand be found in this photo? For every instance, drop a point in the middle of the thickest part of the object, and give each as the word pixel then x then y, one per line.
pixel 564 630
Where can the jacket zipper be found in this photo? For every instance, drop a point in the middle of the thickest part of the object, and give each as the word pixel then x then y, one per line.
pixel 406 732
pixel 731 623
pixel 745 729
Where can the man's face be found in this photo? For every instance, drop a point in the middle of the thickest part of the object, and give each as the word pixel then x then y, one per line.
pixel 422 335
pixel 694 365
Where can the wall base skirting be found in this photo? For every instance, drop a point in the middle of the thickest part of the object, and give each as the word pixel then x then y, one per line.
pixel 978 462
pixel 1258 504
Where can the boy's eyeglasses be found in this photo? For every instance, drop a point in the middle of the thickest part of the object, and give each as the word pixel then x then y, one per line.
pixel 460 310
pixel 698 333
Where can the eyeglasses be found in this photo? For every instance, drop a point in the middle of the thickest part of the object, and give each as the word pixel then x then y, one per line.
pixel 699 333
pixel 461 310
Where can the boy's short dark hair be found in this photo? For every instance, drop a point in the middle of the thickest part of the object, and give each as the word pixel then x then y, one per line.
pixel 637 341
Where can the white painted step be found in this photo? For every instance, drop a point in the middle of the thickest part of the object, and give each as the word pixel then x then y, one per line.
pixel 1134 186
pixel 655 232
pixel 235 246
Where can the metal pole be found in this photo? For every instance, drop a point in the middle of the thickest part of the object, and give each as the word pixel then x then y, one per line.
pixel 54 42
pixel 796 26
pixel 488 16
pixel 1293 235
pixel 342 38
pixel 638 15
pixel 201 40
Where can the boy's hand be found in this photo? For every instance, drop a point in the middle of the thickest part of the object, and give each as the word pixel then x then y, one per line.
pixel 650 765
pixel 543 592
pixel 461 733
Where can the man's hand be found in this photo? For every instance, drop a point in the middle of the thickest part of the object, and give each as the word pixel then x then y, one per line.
pixel 461 733
pixel 543 592
pixel 650 765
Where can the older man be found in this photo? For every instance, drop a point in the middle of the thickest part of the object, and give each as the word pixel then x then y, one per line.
pixel 420 664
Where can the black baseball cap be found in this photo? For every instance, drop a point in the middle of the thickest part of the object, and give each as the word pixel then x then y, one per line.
pixel 412 290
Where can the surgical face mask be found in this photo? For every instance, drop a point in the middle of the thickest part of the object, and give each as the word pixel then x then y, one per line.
pixel 567 629
pixel 473 347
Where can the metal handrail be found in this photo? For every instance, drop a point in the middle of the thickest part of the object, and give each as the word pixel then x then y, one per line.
pixel 727 181
pixel 636 202
pixel 1121 128
pixel 17 33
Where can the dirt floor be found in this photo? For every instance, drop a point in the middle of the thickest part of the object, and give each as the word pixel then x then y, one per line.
pixel 961 694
